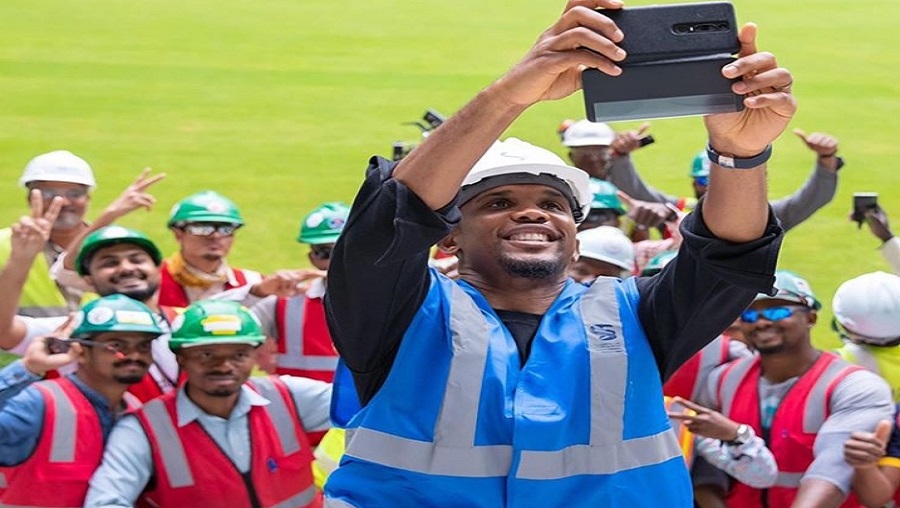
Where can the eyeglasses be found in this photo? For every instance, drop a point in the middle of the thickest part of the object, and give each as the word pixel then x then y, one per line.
pixel 702 181
pixel 70 194
pixel 119 348
pixel 770 314
pixel 207 229
pixel 321 251
pixel 209 359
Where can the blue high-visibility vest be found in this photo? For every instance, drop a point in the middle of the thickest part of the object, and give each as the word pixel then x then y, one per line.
pixel 460 423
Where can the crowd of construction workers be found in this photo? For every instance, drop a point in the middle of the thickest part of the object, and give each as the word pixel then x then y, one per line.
pixel 520 330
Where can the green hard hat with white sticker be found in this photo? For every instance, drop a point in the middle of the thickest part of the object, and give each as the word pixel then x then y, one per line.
pixel 211 322
pixel 206 206
pixel 658 262
pixel 700 165
pixel 115 313
pixel 324 224
pixel 112 235
pixel 793 288
pixel 605 196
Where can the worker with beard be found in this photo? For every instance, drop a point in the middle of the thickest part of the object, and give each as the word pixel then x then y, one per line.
pixel 515 385
pixel 803 402
pixel 63 176
pixel 52 432
pixel 222 439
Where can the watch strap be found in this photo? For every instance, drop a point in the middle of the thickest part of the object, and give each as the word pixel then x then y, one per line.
pixel 738 162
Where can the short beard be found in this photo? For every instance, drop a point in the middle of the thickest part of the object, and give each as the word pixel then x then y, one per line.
pixel 770 350
pixel 533 270
pixel 67 220
pixel 129 379
pixel 141 295
pixel 221 392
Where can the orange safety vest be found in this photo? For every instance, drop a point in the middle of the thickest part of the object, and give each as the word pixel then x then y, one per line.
pixel 70 448
pixel 305 347
pixel 191 470
pixel 691 376
pixel 795 424
pixel 173 295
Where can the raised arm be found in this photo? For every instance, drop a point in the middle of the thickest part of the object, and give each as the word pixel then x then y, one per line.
pixel 819 188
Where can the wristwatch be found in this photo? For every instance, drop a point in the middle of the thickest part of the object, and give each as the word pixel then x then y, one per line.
pixel 744 435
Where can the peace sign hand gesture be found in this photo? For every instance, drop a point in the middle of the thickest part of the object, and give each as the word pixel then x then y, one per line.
pixel 31 233
pixel 134 196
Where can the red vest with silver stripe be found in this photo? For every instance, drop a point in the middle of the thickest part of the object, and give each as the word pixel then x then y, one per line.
pixel 304 342
pixel 794 426
pixel 191 470
pixel 690 377
pixel 155 382
pixel 69 450
pixel 173 295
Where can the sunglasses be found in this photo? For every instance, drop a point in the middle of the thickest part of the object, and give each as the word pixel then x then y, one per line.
pixel 205 229
pixel 321 251
pixel 770 314
pixel 70 194
pixel 702 181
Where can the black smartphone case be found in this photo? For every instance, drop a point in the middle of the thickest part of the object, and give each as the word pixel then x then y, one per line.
pixel 667 32
pixel 661 90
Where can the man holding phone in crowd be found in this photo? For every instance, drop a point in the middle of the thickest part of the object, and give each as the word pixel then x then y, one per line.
pixel 52 432
pixel 464 400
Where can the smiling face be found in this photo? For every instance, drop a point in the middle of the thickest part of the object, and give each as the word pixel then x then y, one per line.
pixel 787 335
pixel 123 268
pixel 520 231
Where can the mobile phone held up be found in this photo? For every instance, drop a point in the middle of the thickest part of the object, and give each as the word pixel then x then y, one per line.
pixel 863 202
pixel 674 65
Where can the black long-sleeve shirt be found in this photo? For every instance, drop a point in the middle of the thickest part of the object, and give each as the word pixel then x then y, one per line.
pixel 378 278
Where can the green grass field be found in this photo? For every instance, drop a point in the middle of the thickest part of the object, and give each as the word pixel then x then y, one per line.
pixel 278 103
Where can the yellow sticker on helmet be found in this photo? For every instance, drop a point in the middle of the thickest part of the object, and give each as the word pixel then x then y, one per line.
pixel 134 317
pixel 222 324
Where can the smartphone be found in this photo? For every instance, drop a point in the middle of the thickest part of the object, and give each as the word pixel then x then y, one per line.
pixel 667 32
pixel 646 140
pixel 674 64
pixel 58 346
pixel 862 202
pixel 661 90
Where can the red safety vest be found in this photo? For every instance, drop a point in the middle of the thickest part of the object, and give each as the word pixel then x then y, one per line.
pixel 690 377
pixel 191 470
pixel 795 424
pixel 155 382
pixel 304 342
pixel 172 294
pixel 70 448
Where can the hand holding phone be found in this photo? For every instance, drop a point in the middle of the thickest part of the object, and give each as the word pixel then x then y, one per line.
pixel 863 202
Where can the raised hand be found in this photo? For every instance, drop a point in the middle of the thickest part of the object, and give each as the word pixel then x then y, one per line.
pixel 39 357
pixel 877 220
pixel 286 283
pixel 581 38
pixel 134 196
pixel 768 102
pixel 644 213
pixel 31 233
pixel 825 145
pixel 628 141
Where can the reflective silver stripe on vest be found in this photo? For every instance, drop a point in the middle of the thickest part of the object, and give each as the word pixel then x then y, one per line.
pixel 279 414
pixel 607 452
pixel 37 311
pixel 864 358
pixel 298 500
pixel 788 480
pixel 65 426
pixel 3 483
pixel 453 452
pixel 816 409
pixel 732 379
pixel 710 358
pixel 171 449
pixel 293 357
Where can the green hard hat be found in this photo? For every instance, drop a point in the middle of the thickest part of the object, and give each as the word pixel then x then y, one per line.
pixel 658 262
pixel 700 165
pixel 206 206
pixel 605 196
pixel 210 322
pixel 115 313
pixel 112 235
pixel 324 224
pixel 793 288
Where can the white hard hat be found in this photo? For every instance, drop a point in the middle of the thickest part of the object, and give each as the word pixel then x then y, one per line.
pixel 58 166
pixel 869 305
pixel 514 161
pixel 607 243
pixel 587 133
